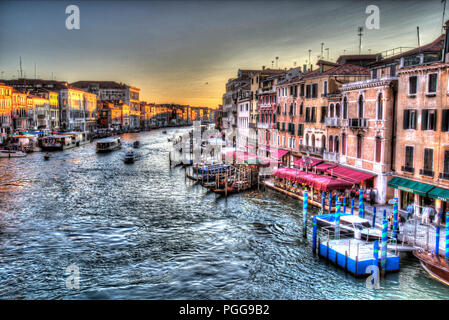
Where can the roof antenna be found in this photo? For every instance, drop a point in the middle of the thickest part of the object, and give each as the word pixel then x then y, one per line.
pixel 322 52
pixel 360 34
pixel 20 64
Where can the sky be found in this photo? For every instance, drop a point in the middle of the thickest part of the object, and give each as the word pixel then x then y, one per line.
pixel 185 51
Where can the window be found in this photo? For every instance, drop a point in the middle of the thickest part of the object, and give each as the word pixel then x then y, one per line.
pixel 360 107
pixel 301 109
pixel 302 90
pixel 359 146
pixel 300 129
pixel 325 88
pixel 314 90
pixel 343 144
pixel 323 113
pixel 409 119
pixel 428 161
pixel 308 91
pixel 428 119
pixel 393 71
pixel 380 107
pixel 337 110
pixel 445 121
pixel 337 144
pixel 374 74
pixel 409 157
pixel 412 84
pixel 331 110
pixel 378 149
pixel 313 115
pixel 307 114
pixel 331 144
pixel 432 88
pixel 345 108
pixel 446 163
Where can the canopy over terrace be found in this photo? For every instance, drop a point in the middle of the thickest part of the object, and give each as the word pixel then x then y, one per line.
pixel 353 176
pixel 312 162
pixel 320 182
pixel 248 158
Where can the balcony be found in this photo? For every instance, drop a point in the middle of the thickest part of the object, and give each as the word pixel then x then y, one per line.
pixel 444 175
pixel 311 150
pixel 359 123
pixel 426 172
pixel 331 156
pixel 332 122
pixel 408 169
pixel 264 125
pixel 252 125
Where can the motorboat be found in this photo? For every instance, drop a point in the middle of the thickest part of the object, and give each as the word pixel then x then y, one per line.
pixel 109 144
pixel 351 226
pixel 435 265
pixel 129 157
pixel 12 154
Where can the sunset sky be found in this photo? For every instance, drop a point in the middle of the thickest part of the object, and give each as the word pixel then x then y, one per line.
pixel 185 51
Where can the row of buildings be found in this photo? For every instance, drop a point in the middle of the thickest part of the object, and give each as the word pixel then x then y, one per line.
pixel 28 105
pixel 381 121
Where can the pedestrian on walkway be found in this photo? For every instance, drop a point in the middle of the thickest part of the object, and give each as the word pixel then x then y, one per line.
pixel 431 214
pixel 425 215
pixel 410 211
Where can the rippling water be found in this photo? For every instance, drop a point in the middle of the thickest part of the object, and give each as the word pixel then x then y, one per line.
pixel 141 231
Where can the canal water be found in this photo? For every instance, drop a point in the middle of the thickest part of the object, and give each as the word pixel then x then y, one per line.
pixel 140 231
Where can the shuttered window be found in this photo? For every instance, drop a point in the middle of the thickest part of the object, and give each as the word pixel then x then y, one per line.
pixel 428 159
pixel 409 156
pixel 445 120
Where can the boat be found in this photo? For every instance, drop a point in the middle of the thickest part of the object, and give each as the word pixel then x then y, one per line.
pixel 47 156
pixel 129 156
pixel 12 154
pixel 236 187
pixel 136 144
pixel 434 265
pixel 164 131
pixel 64 141
pixel 109 144
pixel 351 226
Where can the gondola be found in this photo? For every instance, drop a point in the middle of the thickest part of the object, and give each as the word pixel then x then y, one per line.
pixel 434 265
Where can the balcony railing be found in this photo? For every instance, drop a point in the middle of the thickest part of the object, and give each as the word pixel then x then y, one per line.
pixel 358 123
pixel 408 169
pixel 264 125
pixel 252 125
pixel 331 156
pixel 311 150
pixel 444 175
pixel 332 122
pixel 426 172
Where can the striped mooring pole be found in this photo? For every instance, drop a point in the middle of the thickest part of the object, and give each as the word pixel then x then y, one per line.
pixel 337 219
pixel 437 240
pixel 330 202
pixel 383 255
pixel 314 235
pixel 374 217
pixel 384 215
pixel 395 218
pixel 361 203
pixel 376 253
pixel 352 207
pixel 304 209
pixel 323 201
pixel 344 205
pixel 446 251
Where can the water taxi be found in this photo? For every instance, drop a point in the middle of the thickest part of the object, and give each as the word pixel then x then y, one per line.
pixel 129 156
pixel 350 225
pixel 109 144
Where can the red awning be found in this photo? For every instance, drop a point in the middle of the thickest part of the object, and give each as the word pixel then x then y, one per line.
pixel 324 166
pixel 288 173
pixel 350 175
pixel 278 153
pixel 302 163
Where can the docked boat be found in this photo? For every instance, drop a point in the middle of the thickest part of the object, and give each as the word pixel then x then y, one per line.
pixel 129 157
pixel 350 226
pixel 434 265
pixel 12 154
pixel 109 144
pixel 236 187
pixel 136 144
pixel 64 141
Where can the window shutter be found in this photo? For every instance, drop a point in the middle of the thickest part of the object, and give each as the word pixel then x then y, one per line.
pixel 444 124
pixel 424 118
pixel 406 119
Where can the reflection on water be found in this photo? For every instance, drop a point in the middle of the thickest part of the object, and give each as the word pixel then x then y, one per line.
pixel 140 231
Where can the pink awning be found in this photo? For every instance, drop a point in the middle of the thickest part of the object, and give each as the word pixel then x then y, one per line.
pixel 288 173
pixel 278 153
pixel 317 181
pixel 312 162
pixel 324 166
pixel 350 175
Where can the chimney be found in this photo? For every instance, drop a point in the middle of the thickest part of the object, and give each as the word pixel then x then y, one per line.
pixel 263 67
pixel 311 67
pixel 304 67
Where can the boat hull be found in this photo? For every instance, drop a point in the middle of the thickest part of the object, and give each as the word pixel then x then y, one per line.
pixel 435 266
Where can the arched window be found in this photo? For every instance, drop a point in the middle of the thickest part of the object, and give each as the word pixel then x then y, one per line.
pixel 359 146
pixel 337 145
pixel 294 108
pixel 343 144
pixel 345 108
pixel 301 109
pixel 337 110
pixel 378 149
pixel 331 110
pixel 361 111
pixel 307 139
pixel 323 142
pixel 313 140
pixel 380 107
pixel 331 144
